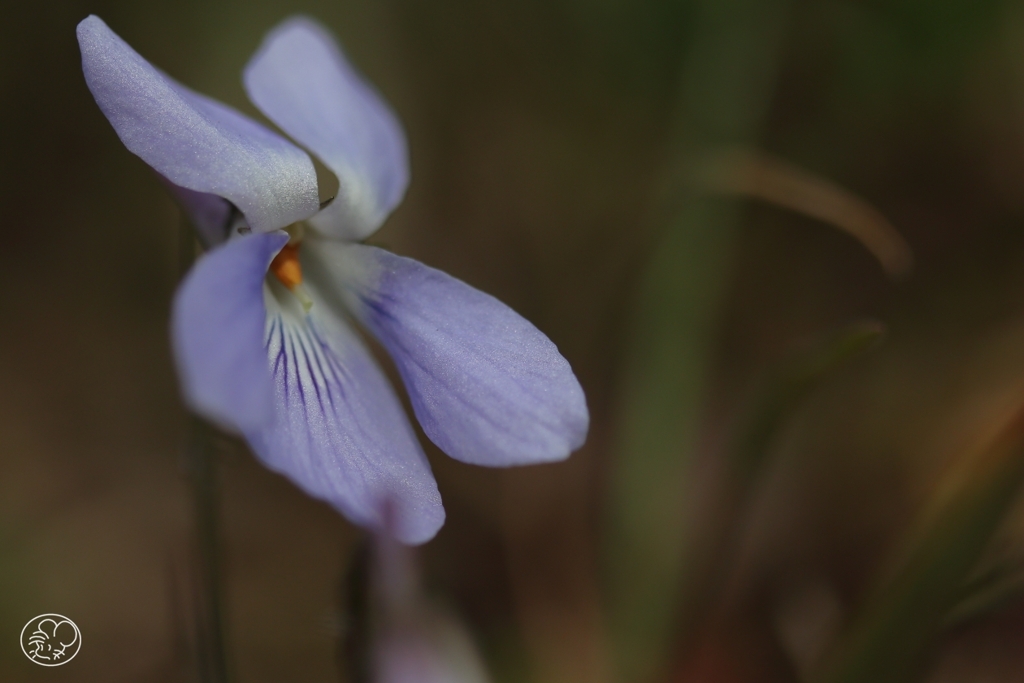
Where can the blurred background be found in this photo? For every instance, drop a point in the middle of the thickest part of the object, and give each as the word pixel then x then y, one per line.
pixel 803 461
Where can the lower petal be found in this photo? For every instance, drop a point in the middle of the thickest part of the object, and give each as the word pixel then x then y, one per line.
pixel 217 326
pixel 341 433
pixel 487 386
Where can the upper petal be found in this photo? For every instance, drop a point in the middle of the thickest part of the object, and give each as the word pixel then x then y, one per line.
pixel 341 433
pixel 217 324
pixel 488 387
pixel 301 80
pixel 194 141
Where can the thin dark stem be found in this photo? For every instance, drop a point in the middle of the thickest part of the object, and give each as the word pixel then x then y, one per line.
pixel 201 461
pixel 205 490
pixel 353 651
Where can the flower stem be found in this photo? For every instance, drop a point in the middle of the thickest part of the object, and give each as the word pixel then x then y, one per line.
pixel 212 657
pixel 353 650
pixel 201 456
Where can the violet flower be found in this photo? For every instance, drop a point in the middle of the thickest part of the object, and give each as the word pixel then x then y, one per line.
pixel 415 639
pixel 260 326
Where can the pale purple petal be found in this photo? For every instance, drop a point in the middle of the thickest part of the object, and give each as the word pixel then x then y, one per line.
pixel 435 648
pixel 194 141
pixel 217 325
pixel 341 433
pixel 487 386
pixel 415 639
pixel 301 80
pixel 209 213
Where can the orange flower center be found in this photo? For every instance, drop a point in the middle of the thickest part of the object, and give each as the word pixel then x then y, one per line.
pixel 286 268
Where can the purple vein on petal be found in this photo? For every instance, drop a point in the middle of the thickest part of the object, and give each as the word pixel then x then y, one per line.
pixel 217 324
pixel 487 386
pixel 342 435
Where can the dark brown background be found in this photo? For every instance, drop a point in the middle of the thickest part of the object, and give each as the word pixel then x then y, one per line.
pixel 538 132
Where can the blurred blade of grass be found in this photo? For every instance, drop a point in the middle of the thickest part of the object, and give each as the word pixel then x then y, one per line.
pixel 646 542
pixel 782 393
pixel 903 614
pixel 987 594
pixel 726 80
pixel 761 176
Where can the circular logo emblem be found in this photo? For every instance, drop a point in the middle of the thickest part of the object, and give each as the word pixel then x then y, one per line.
pixel 50 640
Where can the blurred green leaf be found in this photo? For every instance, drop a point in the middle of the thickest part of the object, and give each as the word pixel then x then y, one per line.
pixel 672 340
pixel 727 78
pixel 900 618
pixel 987 594
pixel 784 393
